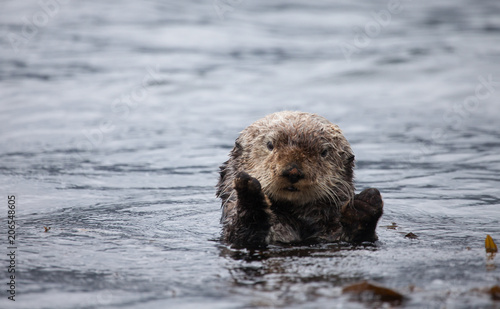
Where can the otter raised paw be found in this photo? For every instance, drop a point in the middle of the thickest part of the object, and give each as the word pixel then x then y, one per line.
pixel 359 218
pixel 251 226
pixel 289 179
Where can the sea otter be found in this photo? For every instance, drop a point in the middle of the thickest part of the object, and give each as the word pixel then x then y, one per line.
pixel 289 180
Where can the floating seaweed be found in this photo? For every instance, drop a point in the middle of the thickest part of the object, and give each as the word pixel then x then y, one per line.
pixel 411 236
pixel 490 245
pixel 368 292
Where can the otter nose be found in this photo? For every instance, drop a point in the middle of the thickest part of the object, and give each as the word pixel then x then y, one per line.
pixel 293 173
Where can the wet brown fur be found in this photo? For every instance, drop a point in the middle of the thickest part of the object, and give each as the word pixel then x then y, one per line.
pixel 289 179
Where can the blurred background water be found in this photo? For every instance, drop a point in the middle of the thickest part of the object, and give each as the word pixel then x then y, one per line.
pixel 114 118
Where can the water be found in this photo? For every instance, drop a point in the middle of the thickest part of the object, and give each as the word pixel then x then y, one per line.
pixel 115 117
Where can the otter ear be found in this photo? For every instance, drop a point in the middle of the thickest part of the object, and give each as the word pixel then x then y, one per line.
pixel 237 149
pixel 349 166
pixel 350 158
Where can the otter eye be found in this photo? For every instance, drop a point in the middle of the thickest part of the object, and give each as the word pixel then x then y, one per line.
pixel 324 153
pixel 270 146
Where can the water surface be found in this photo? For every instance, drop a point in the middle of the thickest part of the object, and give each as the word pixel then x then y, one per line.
pixel 115 117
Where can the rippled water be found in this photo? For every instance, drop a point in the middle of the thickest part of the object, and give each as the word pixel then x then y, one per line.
pixel 115 117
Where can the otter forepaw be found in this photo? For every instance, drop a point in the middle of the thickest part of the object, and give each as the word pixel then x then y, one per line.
pixel 359 220
pixel 252 223
pixel 369 203
pixel 246 184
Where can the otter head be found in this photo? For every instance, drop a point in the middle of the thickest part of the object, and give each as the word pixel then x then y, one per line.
pixel 298 158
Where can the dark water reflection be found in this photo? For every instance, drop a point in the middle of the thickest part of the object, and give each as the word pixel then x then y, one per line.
pixel 114 119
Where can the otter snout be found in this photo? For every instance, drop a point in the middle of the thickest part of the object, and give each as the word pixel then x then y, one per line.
pixel 293 173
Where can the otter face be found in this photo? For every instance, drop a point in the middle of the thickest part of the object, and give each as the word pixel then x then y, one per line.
pixel 299 158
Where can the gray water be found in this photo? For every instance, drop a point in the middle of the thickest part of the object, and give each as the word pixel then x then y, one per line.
pixel 114 118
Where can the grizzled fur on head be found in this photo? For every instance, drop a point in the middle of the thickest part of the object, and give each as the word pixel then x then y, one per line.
pixel 306 146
